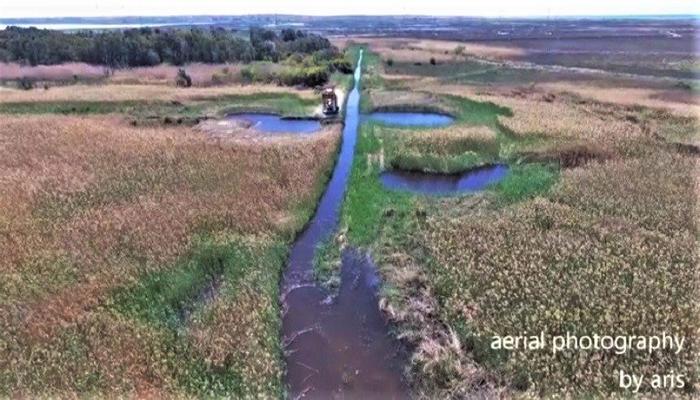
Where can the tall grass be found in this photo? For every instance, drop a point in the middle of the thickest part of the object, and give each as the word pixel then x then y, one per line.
pixel 110 232
pixel 113 93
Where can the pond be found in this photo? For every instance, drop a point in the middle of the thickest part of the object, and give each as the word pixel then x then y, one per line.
pixel 444 184
pixel 272 123
pixel 411 119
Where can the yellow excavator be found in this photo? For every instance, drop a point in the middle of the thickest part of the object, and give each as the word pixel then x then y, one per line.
pixel 330 101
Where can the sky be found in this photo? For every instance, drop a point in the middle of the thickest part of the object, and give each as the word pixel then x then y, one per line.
pixel 487 8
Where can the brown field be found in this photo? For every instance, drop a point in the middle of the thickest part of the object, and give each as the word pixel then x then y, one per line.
pixel 63 72
pixel 677 101
pixel 201 74
pixel 132 92
pixel 556 119
pixel 92 204
pixel 421 50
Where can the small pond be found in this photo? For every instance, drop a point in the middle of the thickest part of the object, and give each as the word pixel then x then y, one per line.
pixel 272 123
pixel 411 119
pixel 444 184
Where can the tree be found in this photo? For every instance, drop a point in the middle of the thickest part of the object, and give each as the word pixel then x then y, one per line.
pixel 152 58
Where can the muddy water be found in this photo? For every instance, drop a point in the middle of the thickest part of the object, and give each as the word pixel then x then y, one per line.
pixel 271 123
pixel 444 184
pixel 337 347
pixel 410 119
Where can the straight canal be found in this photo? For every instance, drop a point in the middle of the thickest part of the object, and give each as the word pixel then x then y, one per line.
pixel 337 346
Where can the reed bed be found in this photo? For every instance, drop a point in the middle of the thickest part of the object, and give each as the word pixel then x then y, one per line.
pixel 201 74
pixel 677 101
pixel 561 120
pixel 93 205
pixel 446 150
pixel 114 92
pixel 61 72
pixel 612 251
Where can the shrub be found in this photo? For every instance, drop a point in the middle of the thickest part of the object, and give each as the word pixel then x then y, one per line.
pixel 315 76
pixel 390 62
pixel 25 83
pixel 247 75
pixel 183 80
pixel 342 65
pixel 311 76
pixel 432 61
pixel 218 79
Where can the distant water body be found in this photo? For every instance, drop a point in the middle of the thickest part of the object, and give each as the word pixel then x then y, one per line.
pixel 77 27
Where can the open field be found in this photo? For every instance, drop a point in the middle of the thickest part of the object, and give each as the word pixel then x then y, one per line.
pixel 594 231
pixel 145 261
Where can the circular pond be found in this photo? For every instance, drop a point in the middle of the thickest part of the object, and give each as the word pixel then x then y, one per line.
pixel 411 119
pixel 273 123
pixel 444 184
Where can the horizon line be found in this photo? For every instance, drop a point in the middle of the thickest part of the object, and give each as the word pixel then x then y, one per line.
pixel 534 16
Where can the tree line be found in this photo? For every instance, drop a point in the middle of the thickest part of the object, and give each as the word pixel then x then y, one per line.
pixel 152 46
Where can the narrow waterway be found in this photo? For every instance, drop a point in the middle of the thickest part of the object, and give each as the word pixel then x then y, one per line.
pixel 337 346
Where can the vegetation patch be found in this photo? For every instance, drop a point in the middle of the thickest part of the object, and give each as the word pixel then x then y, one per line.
pixel 526 181
pixel 226 355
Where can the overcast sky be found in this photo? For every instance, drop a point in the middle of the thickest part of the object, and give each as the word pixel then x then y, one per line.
pixel 505 8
